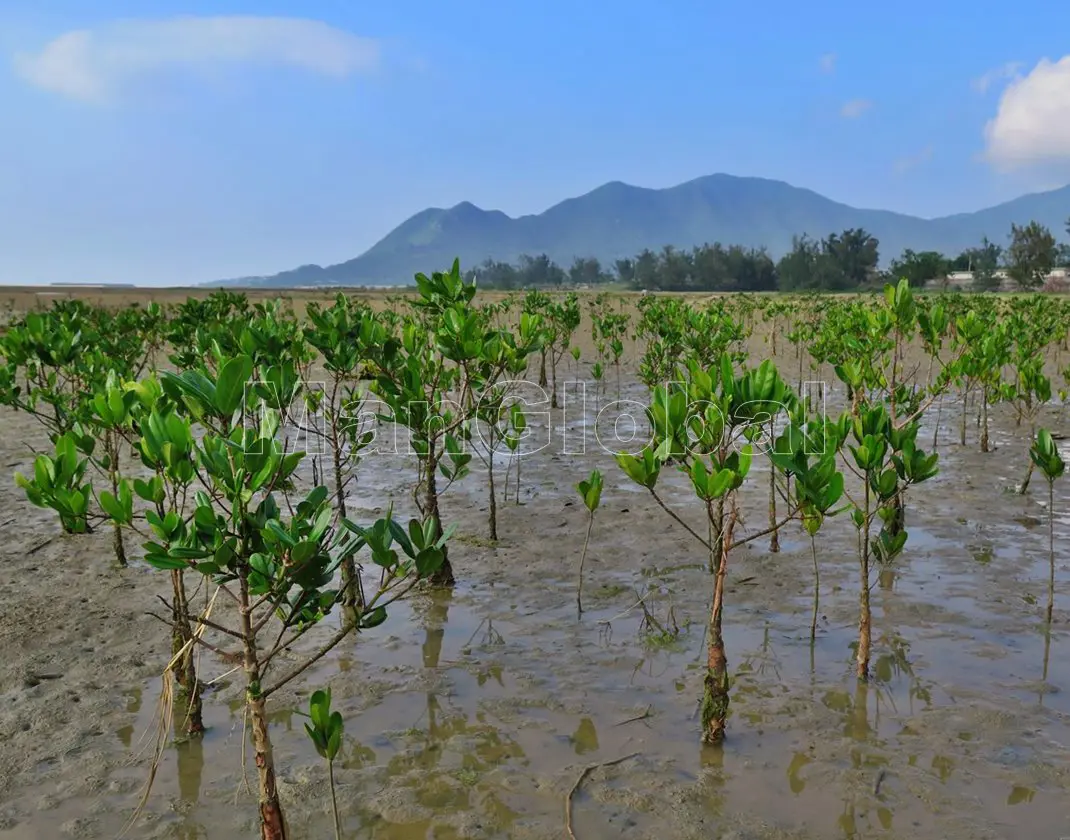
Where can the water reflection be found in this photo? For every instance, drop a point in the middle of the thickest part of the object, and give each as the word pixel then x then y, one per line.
pixel 585 738
pixel 1020 795
pixel 433 613
pixel 133 706
pixel 943 767
pixel 795 781
pixel 442 762
pixel 190 756
pixel 190 769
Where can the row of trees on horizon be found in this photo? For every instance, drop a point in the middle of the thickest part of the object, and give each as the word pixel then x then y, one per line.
pixel 840 262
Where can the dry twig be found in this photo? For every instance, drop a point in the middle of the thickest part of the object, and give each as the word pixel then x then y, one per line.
pixel 579 781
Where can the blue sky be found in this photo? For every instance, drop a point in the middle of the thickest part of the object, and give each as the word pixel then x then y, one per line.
pixel 177 143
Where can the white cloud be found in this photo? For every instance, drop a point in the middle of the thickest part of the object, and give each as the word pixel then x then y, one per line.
pixel 92 65
pixel 905 164
pixel 1032 123
pixel 997 74
pixel 828 62
pixel 855 108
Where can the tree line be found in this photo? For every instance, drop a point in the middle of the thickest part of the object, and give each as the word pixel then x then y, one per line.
pixel 840 262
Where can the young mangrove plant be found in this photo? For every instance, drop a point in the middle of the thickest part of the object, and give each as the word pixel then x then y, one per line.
pixel 451 348
pixel 326 729
pixel 276 571
pixel 1028 393
pixel 1045 454
pixel 806 453
pixel 704 424
pixel 886 460
pixel 342 333
pixel 590 490
pixel 513 436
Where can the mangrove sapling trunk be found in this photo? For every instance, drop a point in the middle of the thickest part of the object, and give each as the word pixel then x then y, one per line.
pixel 715 687
pixel 590 491
pixel 985 447
pixel 936 428
pixel 443 576
pixel 864 616
pixel 553 379
pixel 542 368
pixel 272 825
pixel 1051 552
pixel 184 669
pixel 774 537
pixel 716 526
pixel 962 424
pixel 817 589
pixel 334 802
pixel 583 559
pixel 492 507
pixel 351 600
pixel 899 515
pixel 111 447
pixel 1029 472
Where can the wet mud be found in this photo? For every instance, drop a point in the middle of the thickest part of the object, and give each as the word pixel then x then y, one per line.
pixel 472 714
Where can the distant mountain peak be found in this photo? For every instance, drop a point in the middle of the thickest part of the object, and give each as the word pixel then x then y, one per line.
pixel 619 220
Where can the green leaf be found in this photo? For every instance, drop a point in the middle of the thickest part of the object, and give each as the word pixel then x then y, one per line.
pixel 113 508
pixel 230 386
pixel 373 618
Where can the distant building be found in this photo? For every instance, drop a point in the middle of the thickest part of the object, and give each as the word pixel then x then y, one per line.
pixel 963 281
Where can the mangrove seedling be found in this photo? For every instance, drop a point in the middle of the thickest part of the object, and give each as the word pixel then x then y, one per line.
pixel 705 425
pixel 1045 454
pixel 887 461
pixel 590 491
pixel 325 730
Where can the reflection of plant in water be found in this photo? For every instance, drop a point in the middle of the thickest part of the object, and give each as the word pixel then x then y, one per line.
pixel 658 628
pixel 190 755
pixel 356 756
pixel 486 746
pixel 849 819
pixel 761 661
pixel 585 738
pixel 798 762
pixel 982 553
pixel 650 662
pixel 491 672
pixel 895 664
pixel 943 767
pixel 490 637
pixel 1019 795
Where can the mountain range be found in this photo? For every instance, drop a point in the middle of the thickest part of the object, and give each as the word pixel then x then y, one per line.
pixel 618 220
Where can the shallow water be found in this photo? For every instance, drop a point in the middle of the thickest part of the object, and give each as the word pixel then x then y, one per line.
pixel 472 714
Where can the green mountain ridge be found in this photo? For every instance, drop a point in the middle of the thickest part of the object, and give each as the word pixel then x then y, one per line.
pixel 618 220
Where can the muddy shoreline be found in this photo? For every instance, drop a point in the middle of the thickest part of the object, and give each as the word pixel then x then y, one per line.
pixel 471 715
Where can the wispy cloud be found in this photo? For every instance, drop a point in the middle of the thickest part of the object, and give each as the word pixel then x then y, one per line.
pixel 997 74
pixel 905 164
pixel 93 64
pixel 827 63
pixel 1032 124
pixel 855 108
